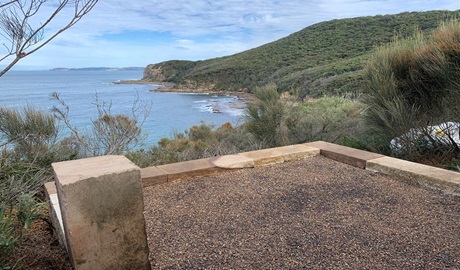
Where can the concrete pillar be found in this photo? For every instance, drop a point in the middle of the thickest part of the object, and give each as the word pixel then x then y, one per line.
pixel 102 209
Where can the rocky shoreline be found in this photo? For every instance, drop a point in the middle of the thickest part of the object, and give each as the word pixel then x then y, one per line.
pixel 171 87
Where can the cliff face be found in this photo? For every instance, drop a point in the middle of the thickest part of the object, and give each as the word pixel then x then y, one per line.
pixel 177 72
pixel 154 73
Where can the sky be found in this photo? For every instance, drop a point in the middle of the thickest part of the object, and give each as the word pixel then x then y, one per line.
pixel 121 33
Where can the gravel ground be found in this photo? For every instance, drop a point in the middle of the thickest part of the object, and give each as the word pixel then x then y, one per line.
pixel 309 214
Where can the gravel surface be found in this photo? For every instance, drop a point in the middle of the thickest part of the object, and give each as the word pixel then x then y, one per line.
pixel 309 214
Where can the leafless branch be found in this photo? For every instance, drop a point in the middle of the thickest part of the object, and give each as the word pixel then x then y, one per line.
pixel 2 5
pixel 109 133
pixel 19 33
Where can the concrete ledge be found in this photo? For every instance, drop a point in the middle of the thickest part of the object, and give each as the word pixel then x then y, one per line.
pixel 55 212
pixel 237 161
pixel 189 169
pixel 281 154
pixel 419 174
pixel 209 166
pixel 153 176
pixel 344 154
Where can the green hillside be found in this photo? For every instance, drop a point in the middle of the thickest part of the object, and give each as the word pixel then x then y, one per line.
pixel 325 58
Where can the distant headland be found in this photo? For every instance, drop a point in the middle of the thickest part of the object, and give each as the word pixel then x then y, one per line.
pixel 98 69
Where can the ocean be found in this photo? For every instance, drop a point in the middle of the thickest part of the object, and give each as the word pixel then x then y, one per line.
pixel 170 112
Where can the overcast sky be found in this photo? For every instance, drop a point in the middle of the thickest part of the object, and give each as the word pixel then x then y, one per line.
pixel 120 33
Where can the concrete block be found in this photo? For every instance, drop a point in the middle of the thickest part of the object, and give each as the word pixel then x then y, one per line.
pixel 55 212
pixel 102 209
pixel 419 174
pixel 281 154
pixel 344 154
pixel 152 176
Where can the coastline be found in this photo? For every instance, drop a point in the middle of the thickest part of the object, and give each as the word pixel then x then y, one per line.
pixel 171 88
pixel 163 84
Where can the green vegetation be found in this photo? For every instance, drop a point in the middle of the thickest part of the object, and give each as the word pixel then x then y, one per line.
pixel 200 141
pixel 277 122
pixel 271 121
pixel 29 146
pixel 323 59
pixel 109 134
pixel 412 84
pixel 268 118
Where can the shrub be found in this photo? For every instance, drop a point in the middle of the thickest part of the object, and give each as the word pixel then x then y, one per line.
pixel 110 134
pixel 28 133
pixel 411 84
pixel 200 141
pixel 266 117
pixel 327 119
pixel 276 122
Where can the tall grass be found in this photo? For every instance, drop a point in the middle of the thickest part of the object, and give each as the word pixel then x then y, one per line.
pixel 414 83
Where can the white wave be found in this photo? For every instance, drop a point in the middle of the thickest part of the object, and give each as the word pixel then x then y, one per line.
pixel 201 101
pixel 229 106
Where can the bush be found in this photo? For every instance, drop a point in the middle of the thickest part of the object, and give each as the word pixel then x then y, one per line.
pixel 200 141
pixel 28 134
pixel 266 118
pixel 276 122
pixel 20 183
pixel 413 83
pixel 110 134
pixel 327 119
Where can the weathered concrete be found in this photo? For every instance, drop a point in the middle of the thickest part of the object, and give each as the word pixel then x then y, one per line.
pixel 233 162
pixel 419 174
pixel 55 212
pixel 281 154
pixel 102 210
pixel 190 169
pixel 209 166
pixel 153 176
pixel 344 154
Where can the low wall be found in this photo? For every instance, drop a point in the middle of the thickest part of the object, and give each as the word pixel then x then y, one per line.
pixel 102 203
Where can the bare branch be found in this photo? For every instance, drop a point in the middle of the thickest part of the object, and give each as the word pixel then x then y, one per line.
pixel 8 3
pixel 22 35
pixel 109 133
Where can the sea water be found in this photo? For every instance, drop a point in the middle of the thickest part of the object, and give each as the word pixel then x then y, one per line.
pixel 170 112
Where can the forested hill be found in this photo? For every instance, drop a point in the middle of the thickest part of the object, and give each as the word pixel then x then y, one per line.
pixel 325 58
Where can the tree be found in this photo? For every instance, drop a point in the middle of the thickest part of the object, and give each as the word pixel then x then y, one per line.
pixel 22 36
